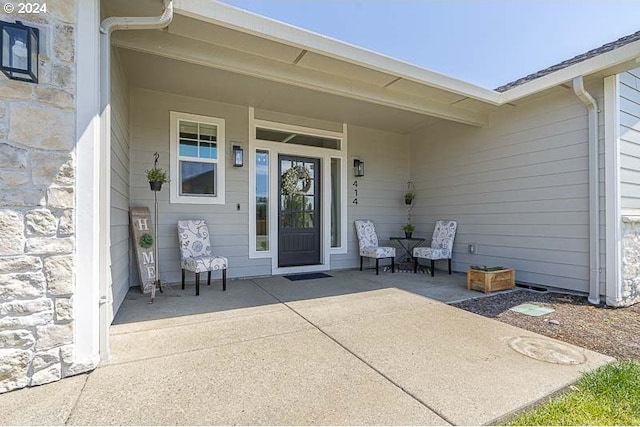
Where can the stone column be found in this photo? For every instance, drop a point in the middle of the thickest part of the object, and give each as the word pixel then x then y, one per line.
pixel 37 202
pixel 630 260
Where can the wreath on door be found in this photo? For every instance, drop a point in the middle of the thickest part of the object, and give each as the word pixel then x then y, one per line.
pixel 292 177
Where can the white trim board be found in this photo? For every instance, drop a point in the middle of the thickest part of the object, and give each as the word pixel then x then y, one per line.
pixel 612 194
pixel 87 328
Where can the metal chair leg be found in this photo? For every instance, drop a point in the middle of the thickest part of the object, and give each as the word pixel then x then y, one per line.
pixel 449 265
pixel 183 279
pixel 377 264
pixel 208 278
pixel 393 264
pixel 361 262
pixel 415 265
pixel 224 279
pixel 197 284
pixel 433 270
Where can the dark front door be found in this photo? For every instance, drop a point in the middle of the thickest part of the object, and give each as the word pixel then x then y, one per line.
pixel 299 213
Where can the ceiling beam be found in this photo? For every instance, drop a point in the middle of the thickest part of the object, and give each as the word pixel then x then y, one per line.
pixel 210 55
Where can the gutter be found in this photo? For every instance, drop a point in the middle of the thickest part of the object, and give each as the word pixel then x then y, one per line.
pixel 106 28
pixel 594 192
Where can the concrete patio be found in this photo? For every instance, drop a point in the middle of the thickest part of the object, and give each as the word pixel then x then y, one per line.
pixel 351 349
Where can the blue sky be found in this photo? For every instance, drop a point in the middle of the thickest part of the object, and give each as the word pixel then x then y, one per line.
pixel 488 43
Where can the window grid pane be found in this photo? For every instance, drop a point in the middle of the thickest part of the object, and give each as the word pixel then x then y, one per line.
pixel 198 140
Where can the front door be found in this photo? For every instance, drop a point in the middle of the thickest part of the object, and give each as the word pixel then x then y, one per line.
pixel 298 211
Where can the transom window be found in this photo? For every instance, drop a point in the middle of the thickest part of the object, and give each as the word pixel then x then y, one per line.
pixel 296 138
pixel 198 149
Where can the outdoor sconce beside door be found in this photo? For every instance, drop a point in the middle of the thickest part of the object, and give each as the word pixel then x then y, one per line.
pixel 358 168
pixel 19 51
pixel 238 156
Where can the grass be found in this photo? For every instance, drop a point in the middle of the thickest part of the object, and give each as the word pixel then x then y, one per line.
pixel 609 395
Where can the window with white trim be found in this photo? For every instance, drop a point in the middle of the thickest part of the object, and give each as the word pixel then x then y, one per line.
pixel 198 154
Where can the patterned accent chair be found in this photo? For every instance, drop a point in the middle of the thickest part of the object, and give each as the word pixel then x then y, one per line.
pixel 441 245
pixel 368 241
pixel 195 252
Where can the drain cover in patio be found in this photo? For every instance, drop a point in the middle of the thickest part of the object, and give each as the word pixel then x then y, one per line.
pixel 307 276
pixel 532 310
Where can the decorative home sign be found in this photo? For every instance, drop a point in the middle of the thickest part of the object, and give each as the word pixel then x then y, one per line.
pixel 142 231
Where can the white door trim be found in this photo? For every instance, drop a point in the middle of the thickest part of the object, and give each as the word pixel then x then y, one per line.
pixel 325 155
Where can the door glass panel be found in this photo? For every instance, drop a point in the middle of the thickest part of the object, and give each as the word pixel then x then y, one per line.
pixel 308 203
pixel 262 200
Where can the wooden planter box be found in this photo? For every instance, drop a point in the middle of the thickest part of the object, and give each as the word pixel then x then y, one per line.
pixel 489 281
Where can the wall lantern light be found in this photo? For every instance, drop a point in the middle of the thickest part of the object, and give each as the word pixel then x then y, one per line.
pixel 358 167
pixel 19 51
pixel 238 156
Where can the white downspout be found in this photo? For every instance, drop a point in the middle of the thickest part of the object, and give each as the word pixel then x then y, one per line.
pixel 106 28
pixel 594 192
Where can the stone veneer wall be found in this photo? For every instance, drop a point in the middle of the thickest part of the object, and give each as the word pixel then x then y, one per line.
pixel 630 260
pixel 37 178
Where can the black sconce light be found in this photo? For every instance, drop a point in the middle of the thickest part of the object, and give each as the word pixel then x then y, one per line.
pixel 19 51
pixel 238 156
pixel 358 167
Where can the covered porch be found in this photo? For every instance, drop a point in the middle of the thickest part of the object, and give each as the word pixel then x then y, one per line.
pixel 202 82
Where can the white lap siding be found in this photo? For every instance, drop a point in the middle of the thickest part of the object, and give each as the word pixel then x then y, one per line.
pixel 120 244
pixel 517 187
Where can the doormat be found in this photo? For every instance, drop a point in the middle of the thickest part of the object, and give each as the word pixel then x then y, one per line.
pixel 532 310
pixel 306 276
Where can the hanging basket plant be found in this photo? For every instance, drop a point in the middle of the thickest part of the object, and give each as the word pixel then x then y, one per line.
pixel 291 179
pixel 156 178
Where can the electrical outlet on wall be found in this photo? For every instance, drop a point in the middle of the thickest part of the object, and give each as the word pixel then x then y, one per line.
pixel 473 248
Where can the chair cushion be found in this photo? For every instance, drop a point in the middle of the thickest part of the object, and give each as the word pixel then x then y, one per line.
pixel 432 253
pixel 378 252
pixel 203 263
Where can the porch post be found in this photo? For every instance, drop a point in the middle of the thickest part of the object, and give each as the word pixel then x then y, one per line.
pixel 87 277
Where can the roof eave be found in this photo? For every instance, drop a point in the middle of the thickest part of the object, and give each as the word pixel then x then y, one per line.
pixel 238 19
pixel 626 54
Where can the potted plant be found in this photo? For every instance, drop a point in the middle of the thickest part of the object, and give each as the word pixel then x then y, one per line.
pixel 408 230
pixel 408 198
pixel 156 178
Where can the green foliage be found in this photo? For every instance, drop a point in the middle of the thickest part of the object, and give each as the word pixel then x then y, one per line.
pixel 145 241
pixel 156 175
pixel 609 395
pixel 408 228
pixel 485 268
pixel 292 177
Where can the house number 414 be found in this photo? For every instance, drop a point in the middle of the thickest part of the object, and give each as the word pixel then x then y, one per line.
pixel 355 186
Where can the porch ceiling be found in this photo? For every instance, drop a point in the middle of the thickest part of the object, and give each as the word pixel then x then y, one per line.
pixel 208 44
pixel 162 74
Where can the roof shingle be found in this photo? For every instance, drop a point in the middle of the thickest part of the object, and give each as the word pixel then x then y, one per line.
pixel 564 64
